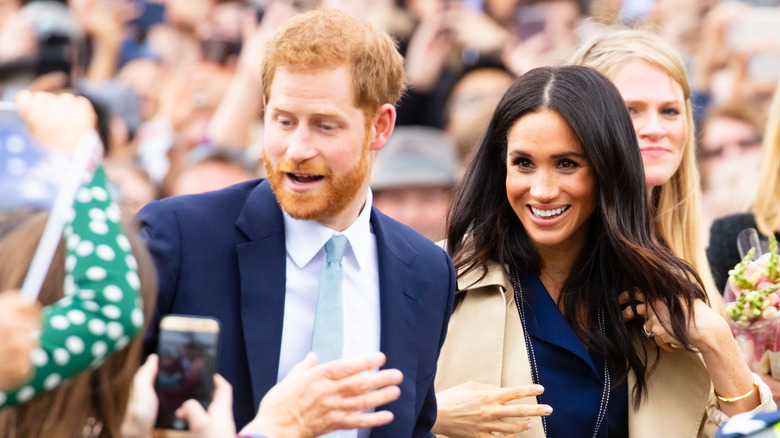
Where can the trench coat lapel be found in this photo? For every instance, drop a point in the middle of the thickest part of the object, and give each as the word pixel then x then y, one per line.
pixel 679 390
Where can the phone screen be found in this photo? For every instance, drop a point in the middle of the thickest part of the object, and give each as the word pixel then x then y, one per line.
pixel 188 357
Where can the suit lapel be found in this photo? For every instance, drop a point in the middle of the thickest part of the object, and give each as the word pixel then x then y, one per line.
pixel 400 310
pixel 262 267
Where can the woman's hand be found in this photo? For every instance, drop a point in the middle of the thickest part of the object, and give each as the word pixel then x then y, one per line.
pixel 710 335
pixel 706 331
pixel 478 410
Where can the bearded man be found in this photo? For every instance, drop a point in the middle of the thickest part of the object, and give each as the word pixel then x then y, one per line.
pixel 254 254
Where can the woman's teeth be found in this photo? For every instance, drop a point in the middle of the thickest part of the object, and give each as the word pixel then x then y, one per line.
pixel 548 213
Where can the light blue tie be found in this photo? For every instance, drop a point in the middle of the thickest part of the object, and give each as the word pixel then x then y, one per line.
pixel 328 335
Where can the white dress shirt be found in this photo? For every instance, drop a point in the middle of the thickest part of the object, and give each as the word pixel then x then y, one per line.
pixel 305 242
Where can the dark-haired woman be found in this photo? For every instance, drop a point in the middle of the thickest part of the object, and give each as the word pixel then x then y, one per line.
pixel 572 318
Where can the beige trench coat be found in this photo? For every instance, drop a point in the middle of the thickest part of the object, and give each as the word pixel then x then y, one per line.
pixel 485 338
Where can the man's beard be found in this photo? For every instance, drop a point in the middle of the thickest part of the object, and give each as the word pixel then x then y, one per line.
pixel 336 195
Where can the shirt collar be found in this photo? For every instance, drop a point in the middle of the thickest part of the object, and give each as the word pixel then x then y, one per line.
pixel 305 238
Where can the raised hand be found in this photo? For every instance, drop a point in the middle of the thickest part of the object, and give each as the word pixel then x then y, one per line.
pixel 57 121
pixel 316 399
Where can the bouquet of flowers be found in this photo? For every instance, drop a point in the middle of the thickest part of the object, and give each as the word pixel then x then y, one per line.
pixel 753 305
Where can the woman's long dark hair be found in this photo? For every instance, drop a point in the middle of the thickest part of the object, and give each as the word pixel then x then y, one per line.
pixel 622 253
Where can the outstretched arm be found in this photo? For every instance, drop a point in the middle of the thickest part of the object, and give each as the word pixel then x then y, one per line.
pixel 101 309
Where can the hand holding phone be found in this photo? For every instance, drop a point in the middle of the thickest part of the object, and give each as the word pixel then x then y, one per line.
pixel 187 350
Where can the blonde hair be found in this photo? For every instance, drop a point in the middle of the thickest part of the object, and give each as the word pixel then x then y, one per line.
pixel 327 39
pixel 678 201
pixel 93 403
pixel 767 209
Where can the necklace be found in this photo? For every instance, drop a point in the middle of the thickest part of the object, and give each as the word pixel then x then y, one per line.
pixel 532 357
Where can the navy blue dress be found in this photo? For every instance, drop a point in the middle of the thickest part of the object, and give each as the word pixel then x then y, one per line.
pixel 573 378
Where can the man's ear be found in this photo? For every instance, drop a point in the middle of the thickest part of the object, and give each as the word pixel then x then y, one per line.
pixel 382 126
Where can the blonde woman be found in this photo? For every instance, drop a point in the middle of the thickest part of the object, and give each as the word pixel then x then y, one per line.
pixel 651 77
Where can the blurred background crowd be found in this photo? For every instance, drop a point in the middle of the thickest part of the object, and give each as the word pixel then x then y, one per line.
pixel 177 90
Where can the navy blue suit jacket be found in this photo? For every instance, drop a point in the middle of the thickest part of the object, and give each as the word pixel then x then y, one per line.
pixel 222 254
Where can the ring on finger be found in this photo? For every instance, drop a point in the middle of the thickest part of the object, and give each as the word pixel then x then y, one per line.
pixel 648 333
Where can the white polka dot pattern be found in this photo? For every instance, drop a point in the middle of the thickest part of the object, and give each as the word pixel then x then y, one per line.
pixel 85 248
pixel 97 327
pixel 102 311
pixel 25 394
pixel 96 273
pixel 61 356
pixel 98 227
pixel 105 252
pixel 39 357
pixel 97 214
pixel 52 381
pixel 70 262
pixel 115 330
pixel 73 241
pixel 99 193
pixel 112 293
pixel 75 345
pixel 76 316
pixel 137 317
pixel 111 311
pixel 99 348
pixel 84 196
pixel 59 322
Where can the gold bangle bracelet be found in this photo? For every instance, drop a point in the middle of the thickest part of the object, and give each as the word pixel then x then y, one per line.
pixel 741 397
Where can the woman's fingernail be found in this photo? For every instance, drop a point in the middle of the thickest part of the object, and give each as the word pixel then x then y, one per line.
pixel 539 389
pixel 547 410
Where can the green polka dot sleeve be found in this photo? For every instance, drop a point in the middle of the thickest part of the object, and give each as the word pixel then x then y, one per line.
pixel 101 310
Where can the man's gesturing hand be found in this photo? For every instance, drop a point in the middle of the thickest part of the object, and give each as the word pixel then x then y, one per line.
pixel 315 399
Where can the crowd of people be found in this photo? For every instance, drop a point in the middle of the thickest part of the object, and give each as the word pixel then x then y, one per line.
pixel 529 207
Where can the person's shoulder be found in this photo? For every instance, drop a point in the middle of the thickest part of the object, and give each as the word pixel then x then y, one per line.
pixel 394 231
pixel 733 224
pixel 218 201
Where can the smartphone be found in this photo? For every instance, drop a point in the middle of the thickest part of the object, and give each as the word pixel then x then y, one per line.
pixel 56 53
pixel 187 347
